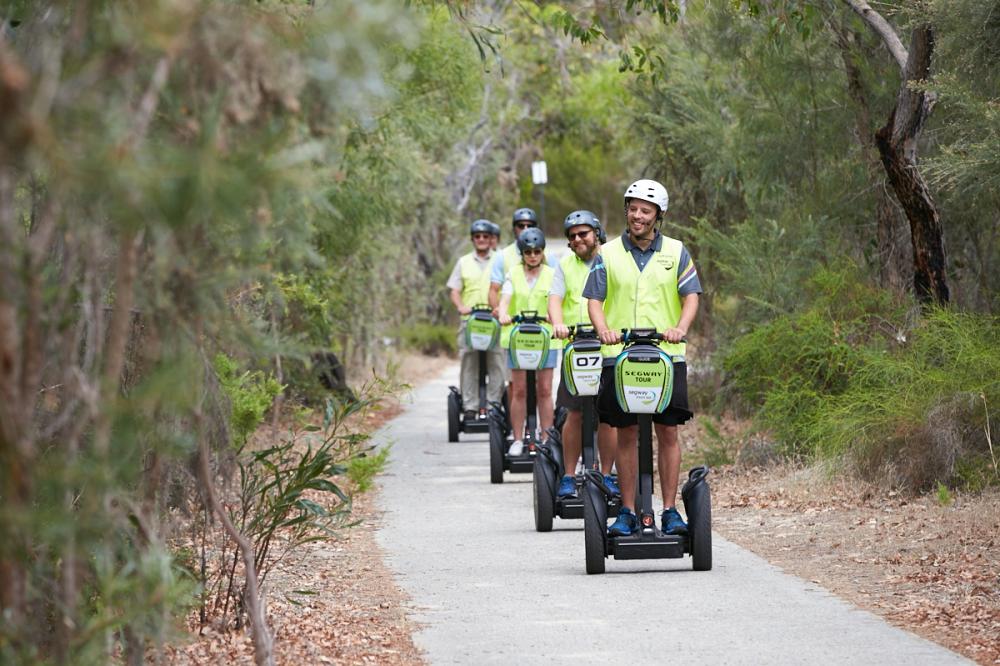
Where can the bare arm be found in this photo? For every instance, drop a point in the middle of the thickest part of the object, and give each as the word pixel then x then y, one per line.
pixel 595 309
pixel 456 299
pixel 494 296
pixel 503 308
pixel 689 308
pixel 555 317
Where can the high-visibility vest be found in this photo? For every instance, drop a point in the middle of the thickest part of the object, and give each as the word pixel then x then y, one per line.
pixel 510 256
pixel 475 280
pixel 642 299
pixel 527 298
pixel 574 305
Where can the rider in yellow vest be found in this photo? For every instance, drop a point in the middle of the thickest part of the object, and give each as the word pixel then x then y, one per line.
pixel 503 260
pixel 568 307
pixel 526 288
pixel 644 280
pixel 469 286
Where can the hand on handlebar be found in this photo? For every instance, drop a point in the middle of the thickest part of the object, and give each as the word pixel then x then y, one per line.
pixel 610 336
pixel 505 319
pixel 674 335
pixel 464 310
pixel 560 331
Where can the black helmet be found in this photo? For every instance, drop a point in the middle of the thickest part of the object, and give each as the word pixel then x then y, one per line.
pixel 525 214
pixel 495 229
pixel 531 239
pixel 481 227
pixel 602 235
pixel 578 217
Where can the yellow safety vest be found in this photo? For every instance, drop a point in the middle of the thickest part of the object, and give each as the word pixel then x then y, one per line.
pixel 574 305
pixel 511 256
pixel 475 280
pixel 527 298
pixel 642 299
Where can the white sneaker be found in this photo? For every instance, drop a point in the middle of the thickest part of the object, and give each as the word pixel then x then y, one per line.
pixel 579 466
pixel 516 448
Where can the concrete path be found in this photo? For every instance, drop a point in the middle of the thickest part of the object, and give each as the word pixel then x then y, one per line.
pixel 487 588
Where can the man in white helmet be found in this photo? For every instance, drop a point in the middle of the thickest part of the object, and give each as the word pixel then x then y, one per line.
pixel 644 280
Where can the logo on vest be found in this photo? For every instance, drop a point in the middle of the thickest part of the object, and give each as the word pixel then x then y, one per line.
pixel 666 262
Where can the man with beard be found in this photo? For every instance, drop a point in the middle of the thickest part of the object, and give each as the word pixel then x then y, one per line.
pixel 568 307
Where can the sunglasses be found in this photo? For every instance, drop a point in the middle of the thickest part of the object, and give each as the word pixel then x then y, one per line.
pixel 579 234
pixel 482 236
pixel 523 225
pixel 529 252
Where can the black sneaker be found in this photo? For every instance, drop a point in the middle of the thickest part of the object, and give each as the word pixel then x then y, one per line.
pixel 471 415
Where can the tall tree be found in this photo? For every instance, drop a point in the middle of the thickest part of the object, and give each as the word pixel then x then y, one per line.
pixel 898 143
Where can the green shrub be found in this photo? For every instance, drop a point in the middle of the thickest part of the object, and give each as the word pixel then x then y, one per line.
pixel 786 370
pixel 431 339
pixel 920 411
pixel 363 468
pixel 250 395
pixel 848 378
pixel 714 449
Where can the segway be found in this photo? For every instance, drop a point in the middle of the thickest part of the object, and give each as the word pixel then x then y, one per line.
pixel 482 332
pixel 581 375
pixel 528 349
pixel 644 385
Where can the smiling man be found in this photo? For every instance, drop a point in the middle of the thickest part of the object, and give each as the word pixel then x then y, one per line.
pixel 568 307
pixel 644 279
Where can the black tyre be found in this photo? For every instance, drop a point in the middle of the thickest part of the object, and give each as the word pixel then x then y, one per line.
pixel 497 447
pixel 698 504
pixel 595 527
pixel 454 408
pixel 544 494
pixel 505 401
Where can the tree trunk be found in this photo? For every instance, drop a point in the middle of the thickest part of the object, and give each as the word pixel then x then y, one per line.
pixel 892 235
pixel 897 144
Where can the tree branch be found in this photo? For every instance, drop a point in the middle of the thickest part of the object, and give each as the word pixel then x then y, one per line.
pixel 884 30
pixel 263 645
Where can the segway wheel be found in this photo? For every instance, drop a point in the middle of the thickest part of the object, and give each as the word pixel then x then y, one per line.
pixel 453 411
pixel 544 493
pixel 505 401
pixel 595 528
pixel 700 530
pixel 496 452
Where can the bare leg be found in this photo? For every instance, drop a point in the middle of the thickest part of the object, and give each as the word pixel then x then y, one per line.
pixel 518 394
pixel 543 383
pixel 627 460
pixel 572 442
pixel 606 445
pixel 668 462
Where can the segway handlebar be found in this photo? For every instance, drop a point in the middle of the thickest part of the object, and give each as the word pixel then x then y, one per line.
pixel 638 335
pixel 582 331
pixel 528 316
pixel 481 307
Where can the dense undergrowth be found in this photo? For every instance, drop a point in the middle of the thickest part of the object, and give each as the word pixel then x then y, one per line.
pixel 859 375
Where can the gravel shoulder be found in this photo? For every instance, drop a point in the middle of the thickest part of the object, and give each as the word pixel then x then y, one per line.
pixel 925 567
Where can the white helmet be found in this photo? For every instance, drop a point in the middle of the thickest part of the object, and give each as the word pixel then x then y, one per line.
pixel 649 190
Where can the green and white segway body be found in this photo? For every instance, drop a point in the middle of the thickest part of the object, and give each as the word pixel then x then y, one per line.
pixel 644 379
pixel 529 346
pixel 581 368
pixel 482 330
